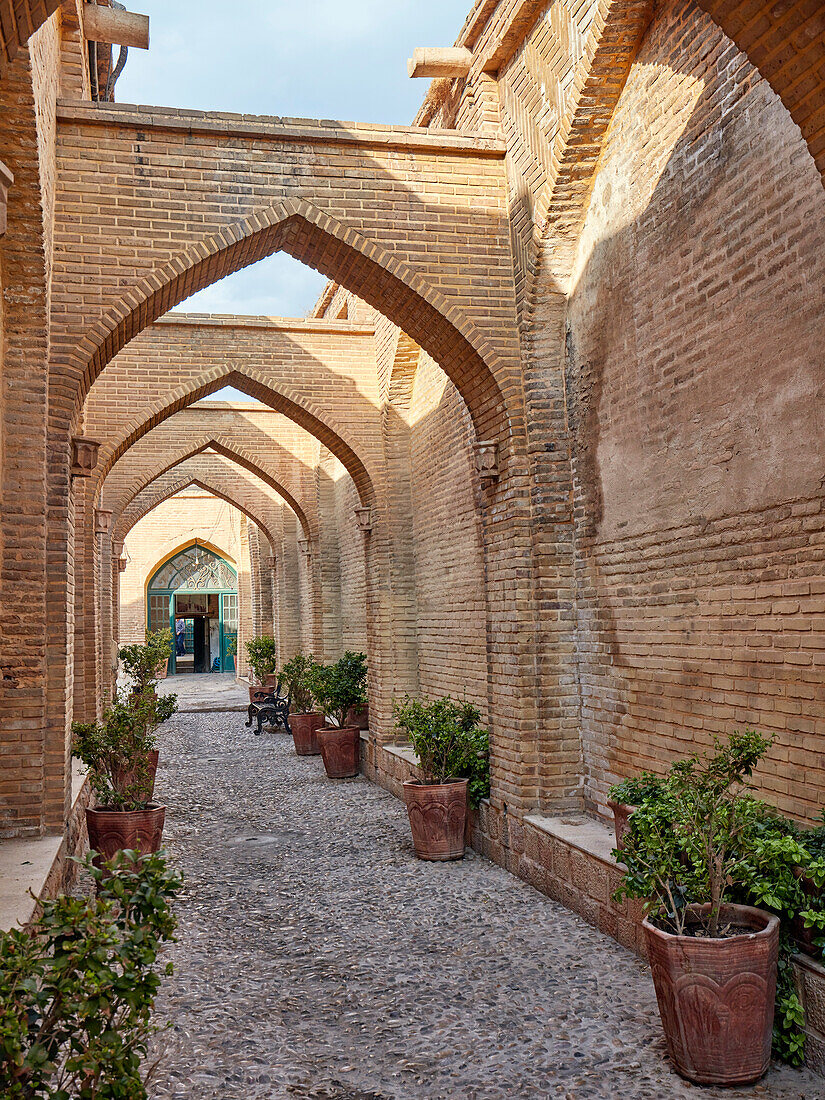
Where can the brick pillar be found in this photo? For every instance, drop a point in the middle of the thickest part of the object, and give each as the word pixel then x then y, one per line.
pixel 326 558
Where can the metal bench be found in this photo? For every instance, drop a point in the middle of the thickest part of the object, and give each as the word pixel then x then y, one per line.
pixel 271 708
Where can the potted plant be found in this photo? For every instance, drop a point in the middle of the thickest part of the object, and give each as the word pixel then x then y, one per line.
pixel 695 853
pixel 626 796
pixel 121 756
pixel 147 663
pixel 78 985
pixel 337 688
pixel 453 753
pixel 298 676
pixel 262 658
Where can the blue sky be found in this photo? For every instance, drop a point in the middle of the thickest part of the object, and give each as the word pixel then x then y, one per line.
pixel 339 59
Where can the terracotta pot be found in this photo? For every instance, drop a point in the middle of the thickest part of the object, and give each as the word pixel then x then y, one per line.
pixel 359 716
pixel 305 732
pixel 340 750
pixel 437 815
pixel 111 831
pixel 269 685
pixel 716 997
pixel 124 778
pixel 162 669
pixel 621 820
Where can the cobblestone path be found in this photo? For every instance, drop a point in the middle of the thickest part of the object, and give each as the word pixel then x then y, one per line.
pixel 318 958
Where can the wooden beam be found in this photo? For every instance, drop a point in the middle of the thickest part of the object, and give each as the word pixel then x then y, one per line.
pixel 433 61
pixel 6 180
pixel 120 28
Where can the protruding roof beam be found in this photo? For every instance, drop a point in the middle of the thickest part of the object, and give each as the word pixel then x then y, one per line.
pixel 434 61
pixel 120 28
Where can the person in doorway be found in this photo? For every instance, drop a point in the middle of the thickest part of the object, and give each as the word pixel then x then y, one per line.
pixel 180 637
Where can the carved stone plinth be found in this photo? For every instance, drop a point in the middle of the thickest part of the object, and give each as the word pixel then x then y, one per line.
pixel 103 520
pixel 84 456
pixel 486 459
pixel 363 517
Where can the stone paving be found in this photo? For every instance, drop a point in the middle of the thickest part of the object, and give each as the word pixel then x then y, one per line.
pixel 317 958
pixel 205 692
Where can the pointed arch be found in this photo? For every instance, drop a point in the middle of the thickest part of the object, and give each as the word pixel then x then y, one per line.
pixel 294 406
pixel 237 455
pixel 339 252
pixel 136 509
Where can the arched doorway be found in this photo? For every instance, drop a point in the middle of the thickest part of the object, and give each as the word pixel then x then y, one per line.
pixel 200 586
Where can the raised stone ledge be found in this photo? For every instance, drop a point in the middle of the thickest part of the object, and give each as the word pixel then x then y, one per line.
pixel 40 865
pixel 273 128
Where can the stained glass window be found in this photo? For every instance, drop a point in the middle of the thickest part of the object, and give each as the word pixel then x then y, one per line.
pixel 195 569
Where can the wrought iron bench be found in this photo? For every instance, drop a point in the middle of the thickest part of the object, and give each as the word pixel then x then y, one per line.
pixel 271 708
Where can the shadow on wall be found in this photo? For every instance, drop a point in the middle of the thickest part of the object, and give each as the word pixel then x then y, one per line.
pixel 694 381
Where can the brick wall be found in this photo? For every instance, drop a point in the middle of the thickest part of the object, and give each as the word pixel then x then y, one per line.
pixel 694 374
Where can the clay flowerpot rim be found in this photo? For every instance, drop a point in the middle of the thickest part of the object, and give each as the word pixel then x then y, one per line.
pixel 424 783
pixel 338 729
pixel 745 914
pixel 148 808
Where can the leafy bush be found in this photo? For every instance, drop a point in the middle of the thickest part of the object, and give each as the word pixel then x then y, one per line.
pixel 705 839
pixel 78 988
pixel 141 661
pixel 262 656
pixel 448 742
pixel 116 750
pixel 637 790
pixel 299 677
pixel 340 686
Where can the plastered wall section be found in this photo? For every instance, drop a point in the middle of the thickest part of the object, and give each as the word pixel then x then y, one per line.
pixel 695 388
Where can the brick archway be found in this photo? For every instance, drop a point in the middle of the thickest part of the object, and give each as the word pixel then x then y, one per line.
pixel 229 450
pixel 138 508
pixel 341 253
pixel 297 408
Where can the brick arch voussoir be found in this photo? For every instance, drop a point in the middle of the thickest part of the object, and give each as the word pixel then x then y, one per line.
pixel 617 30
pixel 237 455
pixel 295 406
pixel 136 510
pixel 344 255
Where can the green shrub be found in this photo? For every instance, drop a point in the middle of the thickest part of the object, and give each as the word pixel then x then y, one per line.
pixel 340 686
pixel 262 656
pixel 141 661
pixel 705 839
pixel 299 676
pixel 77 989
pixel 116 750
pixel 448 742
pixel 637 790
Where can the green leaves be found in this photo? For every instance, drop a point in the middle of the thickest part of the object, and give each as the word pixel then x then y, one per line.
pixel 141 661
pixel 262 656
pixel 116 750
pixel 76 992
pixel 448 742
pixel 299 675
pixel 340 686
pixel 699 835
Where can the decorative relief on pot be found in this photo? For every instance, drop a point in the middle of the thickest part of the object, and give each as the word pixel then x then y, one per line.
pixel 486 459
pixel 111 831
pixel 341 751
pixel 716 997
pixel 84 456
pixel 304 729
pixel 437 815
